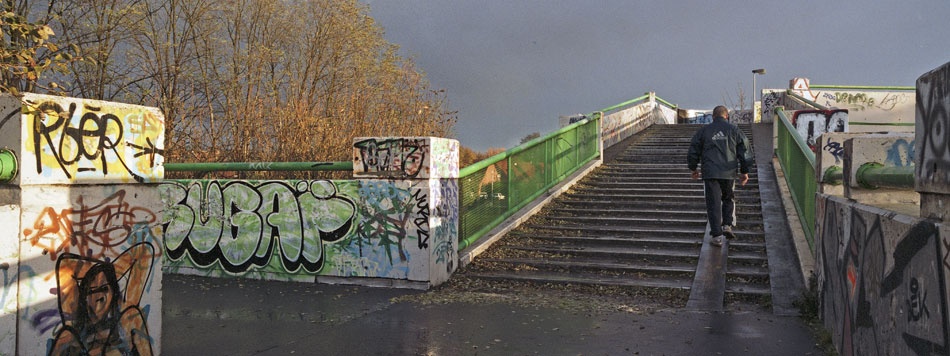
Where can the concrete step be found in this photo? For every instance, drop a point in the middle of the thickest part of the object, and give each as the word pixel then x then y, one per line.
pixel 617 240
pixel 741 235
pixel 750 218
pixel 668 191
pixel 660 185
pixel 618 197
pixel 750 289
pixel 587 279
pixel 600 265
pixel 605 202
pixel 631 221
pixel 614 252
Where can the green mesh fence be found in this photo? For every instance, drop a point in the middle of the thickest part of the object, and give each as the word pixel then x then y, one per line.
pixel 798 163
pixel 495 188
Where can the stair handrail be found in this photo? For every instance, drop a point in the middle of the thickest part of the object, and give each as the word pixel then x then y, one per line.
pixel 806 101
pixel 798 163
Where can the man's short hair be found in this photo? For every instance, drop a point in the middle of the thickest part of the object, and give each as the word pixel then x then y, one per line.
pixel 720 111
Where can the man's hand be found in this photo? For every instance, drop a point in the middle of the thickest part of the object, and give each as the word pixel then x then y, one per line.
pixel 695 174
pixel 745 179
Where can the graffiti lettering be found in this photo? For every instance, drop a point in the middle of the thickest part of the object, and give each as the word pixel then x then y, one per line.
pixel 812 123
pixel 394 158
pixel 104 226
pixel 859 291
pixel 901 153
pixel 241 224
pixel 835 149
pixel 89 140
pixel 421 221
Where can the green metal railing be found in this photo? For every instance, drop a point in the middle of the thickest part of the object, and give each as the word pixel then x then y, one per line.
pixel 258 166
pixel 798 163
pixel 495 188
pixel 806 101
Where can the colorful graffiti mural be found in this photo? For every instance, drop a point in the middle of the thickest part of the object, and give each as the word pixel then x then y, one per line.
pixel 295 230
pixel 812 123
pixel 86 281
pixel 75 140
pixel 882 279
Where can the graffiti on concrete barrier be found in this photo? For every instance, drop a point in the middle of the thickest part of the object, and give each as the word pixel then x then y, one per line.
pixel 900 154
pixel 701 119
pixel 625 123
pixel 240 224
pixel 99 304
pixel 836 150
pixel 933 131
pixel 741 116
pixel 812 123
pixel 881 280
pixel 392 157
pixel 75 140
pixel 292 230
pixel 91 230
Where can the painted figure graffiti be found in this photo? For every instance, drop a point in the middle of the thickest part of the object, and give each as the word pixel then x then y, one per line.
pixel 99 316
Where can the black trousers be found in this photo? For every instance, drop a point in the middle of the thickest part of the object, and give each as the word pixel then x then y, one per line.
pixel 720 204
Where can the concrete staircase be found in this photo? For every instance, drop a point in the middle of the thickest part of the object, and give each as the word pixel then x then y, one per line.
pixel 637 221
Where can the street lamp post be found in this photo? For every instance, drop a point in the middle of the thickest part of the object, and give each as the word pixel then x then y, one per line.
pixel 754 72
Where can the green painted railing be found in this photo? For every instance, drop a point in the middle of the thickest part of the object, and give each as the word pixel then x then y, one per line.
pixel 798 164
pixel 865 87
pixel 258 166
pixel 495 188
pixel 625 103
pixel 665 102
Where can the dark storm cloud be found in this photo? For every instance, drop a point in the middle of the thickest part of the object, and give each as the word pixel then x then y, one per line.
pixel 511 67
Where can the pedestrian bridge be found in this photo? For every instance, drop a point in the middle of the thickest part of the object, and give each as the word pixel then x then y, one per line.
pixel 851 189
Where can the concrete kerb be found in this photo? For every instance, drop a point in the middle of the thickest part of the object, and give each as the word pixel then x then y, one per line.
pixel 469 254
pixel 806 259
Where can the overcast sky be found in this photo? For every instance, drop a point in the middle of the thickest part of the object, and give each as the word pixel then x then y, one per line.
pixel 511 67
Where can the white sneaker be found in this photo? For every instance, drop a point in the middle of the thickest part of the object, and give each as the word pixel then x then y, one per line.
pixel 717 241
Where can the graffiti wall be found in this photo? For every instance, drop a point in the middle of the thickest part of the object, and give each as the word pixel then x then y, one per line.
pixel 882 279
pixel 405 157
pixel 89 270
pixel 872 107
pixel 933 134
pixel 296 230
pixel 812 123
pixel 9 265
pixel 68 140
pixel 627 122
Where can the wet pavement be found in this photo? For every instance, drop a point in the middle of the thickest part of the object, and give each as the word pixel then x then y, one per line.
pixel 209 316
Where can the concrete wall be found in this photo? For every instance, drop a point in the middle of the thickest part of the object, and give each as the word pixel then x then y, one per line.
pixel 298 230
pixel 82 226
pixel 400 229
pixel 933 142
pixel 627 122
pixel 867 106
pixel 882 279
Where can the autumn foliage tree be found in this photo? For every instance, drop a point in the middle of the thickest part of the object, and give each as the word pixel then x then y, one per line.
pixel 250 80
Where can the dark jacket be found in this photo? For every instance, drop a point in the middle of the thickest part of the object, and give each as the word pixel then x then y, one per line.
pixel 722 148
